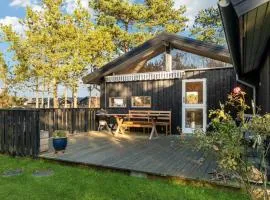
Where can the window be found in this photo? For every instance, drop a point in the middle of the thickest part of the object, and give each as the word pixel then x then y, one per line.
pixel 194 92
pixel 154 64
pixel 141 102
pixel 184 60
pixel 94 102
pixel 117 102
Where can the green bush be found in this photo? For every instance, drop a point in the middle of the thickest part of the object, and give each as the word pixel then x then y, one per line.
pixel 59 134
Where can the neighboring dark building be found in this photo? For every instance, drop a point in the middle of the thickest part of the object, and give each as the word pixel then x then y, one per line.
pixel 168 72
pixel 89 102
pixel 69 103
pixel 247 28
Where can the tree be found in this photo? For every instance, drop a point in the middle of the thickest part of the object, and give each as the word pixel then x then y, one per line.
pixel 57 47
pixel 86 45
pixel 4 75
pixel 131 23
pixel 208 26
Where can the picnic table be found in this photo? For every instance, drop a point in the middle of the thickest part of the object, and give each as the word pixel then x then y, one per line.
pixel 120 118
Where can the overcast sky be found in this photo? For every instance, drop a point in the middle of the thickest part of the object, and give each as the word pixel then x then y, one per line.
pixel 12 10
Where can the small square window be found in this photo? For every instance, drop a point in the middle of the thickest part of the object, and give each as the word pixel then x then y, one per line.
pixel 94 102
pixel 117 102
pixel 141 101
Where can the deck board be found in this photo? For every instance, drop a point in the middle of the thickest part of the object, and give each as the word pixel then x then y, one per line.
pixel 163 156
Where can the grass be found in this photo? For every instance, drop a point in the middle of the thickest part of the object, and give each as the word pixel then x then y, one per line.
pixel 89 184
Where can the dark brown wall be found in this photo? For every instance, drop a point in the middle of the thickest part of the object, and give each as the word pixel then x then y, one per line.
pixel 263 94
pixel 167 94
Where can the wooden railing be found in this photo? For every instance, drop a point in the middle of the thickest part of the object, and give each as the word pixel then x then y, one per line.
pixel 145 76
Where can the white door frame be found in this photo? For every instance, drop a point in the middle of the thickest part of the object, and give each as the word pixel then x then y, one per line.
pixel 193 106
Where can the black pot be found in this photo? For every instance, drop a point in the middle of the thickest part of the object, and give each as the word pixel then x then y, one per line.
pixel 59 144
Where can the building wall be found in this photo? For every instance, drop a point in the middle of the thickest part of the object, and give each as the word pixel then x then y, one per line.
pixel 167 94
pixel 263 94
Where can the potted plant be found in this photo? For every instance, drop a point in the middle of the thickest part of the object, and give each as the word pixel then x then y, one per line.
pixel 59 140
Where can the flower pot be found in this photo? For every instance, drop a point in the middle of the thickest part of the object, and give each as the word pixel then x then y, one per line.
pixel 59 144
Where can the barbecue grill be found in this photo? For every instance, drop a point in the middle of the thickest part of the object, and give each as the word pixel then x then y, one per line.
pixel 103 120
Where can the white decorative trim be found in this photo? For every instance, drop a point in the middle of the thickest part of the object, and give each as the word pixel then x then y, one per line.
pixel 146 76
pixel 161 75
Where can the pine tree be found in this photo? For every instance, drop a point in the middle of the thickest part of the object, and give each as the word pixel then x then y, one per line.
pixel 132 23
pixel 208 26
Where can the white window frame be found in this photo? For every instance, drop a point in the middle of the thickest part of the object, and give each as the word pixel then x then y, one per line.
pixel 125 102
pixel 186 106
pixel 132 101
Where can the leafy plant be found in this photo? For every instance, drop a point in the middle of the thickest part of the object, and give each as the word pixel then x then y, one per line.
pixel 59 134
pixel 226 136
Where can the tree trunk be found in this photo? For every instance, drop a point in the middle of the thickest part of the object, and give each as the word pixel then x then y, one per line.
pixel 48 98
pixel 37 95
pixel 43 93
pixel 48 103
pixel 55 96
pixel 66 97
pixel 75 97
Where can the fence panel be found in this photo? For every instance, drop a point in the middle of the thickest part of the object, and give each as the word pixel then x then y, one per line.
pixel 19 132
pixel 69 119
pixel 20 129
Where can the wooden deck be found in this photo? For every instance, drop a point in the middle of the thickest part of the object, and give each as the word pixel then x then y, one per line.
pixel 163 156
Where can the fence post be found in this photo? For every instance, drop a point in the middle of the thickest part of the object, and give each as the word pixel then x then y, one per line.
pixel 72 120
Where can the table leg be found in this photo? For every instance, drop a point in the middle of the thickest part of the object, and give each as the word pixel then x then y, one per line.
pixel 119 125
pixel 153 131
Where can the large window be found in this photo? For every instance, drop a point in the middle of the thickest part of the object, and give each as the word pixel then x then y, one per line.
pixel 141 102
pixel 184 60
pixel 117 102
pixel 154 64
pixel 94 102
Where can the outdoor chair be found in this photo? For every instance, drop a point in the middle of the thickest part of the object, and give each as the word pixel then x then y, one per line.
pixel 102 124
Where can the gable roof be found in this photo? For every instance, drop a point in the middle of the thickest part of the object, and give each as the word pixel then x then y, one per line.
pixel 157 45
pixel 246 24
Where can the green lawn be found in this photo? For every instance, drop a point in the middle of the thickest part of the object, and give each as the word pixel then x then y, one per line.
pixel 83 183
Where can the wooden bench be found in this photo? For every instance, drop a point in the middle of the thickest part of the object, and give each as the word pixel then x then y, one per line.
pixel 143 119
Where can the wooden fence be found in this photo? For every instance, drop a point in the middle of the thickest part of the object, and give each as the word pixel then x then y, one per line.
pixel 19 132
pixel 20 129
pixel 69 119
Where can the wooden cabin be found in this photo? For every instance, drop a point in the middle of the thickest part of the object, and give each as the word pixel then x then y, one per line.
pixel 168 73
pixel 247 27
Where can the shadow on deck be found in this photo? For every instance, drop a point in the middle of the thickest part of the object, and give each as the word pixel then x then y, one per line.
pixel 166 156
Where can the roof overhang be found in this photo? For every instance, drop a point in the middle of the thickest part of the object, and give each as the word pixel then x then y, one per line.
pixel 246 24
pixel 155 46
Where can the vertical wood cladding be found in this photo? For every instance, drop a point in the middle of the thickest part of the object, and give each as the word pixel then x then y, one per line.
pixel 264 86
pixel 167 94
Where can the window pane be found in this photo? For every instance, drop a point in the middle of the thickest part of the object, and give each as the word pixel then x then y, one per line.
pixel 94 102
pixel 154 64
pixel 117 102
pixel 184 60
pixel 194 118
pixel 141 101
pixel 194 93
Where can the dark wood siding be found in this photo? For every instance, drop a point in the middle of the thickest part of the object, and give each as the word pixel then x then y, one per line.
pixel 264 86
pixel 167 94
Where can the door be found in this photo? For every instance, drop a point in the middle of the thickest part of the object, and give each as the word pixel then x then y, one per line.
pixel 193 105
